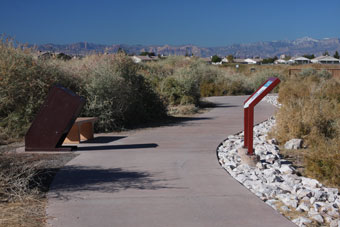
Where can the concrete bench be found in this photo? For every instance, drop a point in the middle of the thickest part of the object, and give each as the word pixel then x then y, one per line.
pixel 81 130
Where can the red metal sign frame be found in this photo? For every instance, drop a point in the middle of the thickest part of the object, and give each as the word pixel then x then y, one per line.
pixel 249 105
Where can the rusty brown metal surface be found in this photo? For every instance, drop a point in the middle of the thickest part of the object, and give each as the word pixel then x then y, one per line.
pixel 54 121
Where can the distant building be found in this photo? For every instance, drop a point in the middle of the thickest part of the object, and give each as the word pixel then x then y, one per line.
pixel 224 60
pixel 280 61
pixel 240 61
pixel 249 61
pixel 255 61
pixel 283 56
pixel 138 59
pixel 299 60
pixel 325 60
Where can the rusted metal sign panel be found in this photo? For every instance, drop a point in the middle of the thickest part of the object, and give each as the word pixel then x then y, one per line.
pixel 54 121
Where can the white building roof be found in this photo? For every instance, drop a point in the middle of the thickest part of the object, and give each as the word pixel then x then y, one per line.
pixel 324 58
pixel 250 61
pixel 225 60
pixel 138 59
pixel 281 61
pixel 253 60
pixel 300 59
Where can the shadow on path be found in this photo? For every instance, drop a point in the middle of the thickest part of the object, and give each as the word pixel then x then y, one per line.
pixel 118 147
pixel 226 106
pixel 104 139
pixel 170 121
pixel 76 178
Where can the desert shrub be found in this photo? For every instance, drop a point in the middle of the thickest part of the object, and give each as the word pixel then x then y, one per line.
pixel 111 86
pixel 260 77
pixel 183 110
pixel 120 97
pixel 310 108
pixel 180 90
pixel 181 80
pixel 16 177
pixel 323 162
pixel 170 88
pixel 311 111
pixel 226 85
pixel 24 83
pixel 176 79
pixel 317 74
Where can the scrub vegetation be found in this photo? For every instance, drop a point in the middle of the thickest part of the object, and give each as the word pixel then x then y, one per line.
pixel 121 93
pixel 311 111
pixel 182 80
pixel 24 180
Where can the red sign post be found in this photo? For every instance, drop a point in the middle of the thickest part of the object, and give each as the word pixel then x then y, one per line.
pixel 249 105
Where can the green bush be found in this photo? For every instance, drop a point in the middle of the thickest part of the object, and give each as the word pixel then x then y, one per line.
pixel 176 79
pixel 260 77
pixel 182 80
pixel 120 97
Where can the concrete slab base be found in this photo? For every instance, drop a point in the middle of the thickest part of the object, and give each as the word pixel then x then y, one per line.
pixel 250 160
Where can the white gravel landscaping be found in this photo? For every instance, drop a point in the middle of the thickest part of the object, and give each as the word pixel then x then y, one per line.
pixel 306 201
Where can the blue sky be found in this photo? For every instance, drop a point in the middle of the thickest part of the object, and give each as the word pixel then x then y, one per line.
pixel 173 22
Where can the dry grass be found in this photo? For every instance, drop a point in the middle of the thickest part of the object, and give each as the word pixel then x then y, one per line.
pixel 182 110
pixel 311 111
pixel 297 157
pixel 24 181
pixel 27 213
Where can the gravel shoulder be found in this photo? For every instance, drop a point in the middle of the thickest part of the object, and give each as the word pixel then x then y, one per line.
pixel 277 182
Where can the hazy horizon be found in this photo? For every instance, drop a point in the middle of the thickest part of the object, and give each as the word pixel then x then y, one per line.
pixel 184 44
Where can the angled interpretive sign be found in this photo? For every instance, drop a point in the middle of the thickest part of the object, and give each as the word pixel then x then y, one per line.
pixel 249 105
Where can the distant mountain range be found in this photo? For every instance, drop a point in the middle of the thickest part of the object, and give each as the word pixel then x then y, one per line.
pixel 296 47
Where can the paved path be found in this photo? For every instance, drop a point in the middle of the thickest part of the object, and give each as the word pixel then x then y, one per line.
pixel 167 176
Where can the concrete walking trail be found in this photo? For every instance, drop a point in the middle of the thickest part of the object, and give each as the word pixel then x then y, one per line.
pixel 165 176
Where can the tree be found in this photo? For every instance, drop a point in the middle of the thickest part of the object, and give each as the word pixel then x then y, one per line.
pixel 216 58
pixel 230 58
pixel 63 56
pixel 121 50
pixel 146 53
pixel 326 53
pixel 269 60
pixel 309 56
pixel 336 55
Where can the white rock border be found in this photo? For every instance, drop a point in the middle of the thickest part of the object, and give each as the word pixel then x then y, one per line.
pixel 274 179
